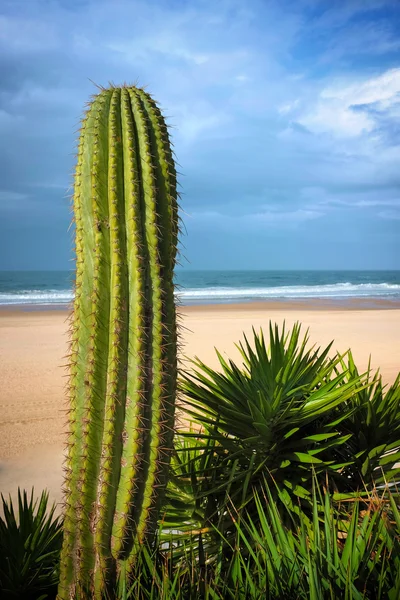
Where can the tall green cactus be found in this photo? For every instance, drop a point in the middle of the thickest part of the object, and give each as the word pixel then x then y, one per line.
pixel 123 339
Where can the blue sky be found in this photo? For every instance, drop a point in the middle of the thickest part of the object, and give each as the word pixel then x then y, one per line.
pixel 285 118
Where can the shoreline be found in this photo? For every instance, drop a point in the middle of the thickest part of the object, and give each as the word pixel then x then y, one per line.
pixel 360 303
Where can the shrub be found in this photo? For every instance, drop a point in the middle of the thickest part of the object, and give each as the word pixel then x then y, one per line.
pixel 29 548
pixel 289 411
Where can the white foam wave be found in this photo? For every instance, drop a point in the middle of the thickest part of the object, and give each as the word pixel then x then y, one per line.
pixel 41 297
pixel 337 290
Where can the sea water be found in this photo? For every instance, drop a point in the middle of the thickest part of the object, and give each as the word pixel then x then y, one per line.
pixel 44 288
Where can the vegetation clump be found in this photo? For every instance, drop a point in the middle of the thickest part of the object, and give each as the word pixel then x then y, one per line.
pixel 284 486
pixel 30 544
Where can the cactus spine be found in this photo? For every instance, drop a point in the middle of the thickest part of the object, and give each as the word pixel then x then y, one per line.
pixel 123 341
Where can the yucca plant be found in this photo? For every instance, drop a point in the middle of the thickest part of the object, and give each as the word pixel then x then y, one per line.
pixel 275 416
pixel 30 545
pixel 373 420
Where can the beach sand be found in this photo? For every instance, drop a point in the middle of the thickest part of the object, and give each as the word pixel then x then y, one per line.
pixel 33 345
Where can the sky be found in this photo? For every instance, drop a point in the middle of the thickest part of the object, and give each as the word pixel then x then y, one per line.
pixel 285 118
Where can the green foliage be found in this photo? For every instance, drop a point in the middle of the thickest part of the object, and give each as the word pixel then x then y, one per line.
pixel 341 553
pixel 30 545
pixel 372 420
pixel 123 357
pixel 289 411
pixel 285 487
pixel 349 551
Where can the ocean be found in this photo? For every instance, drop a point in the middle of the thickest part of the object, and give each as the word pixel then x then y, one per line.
pixel 44 288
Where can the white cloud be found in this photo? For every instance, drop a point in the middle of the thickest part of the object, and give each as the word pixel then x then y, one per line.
pixel 334 117
pixel 288 107
pixel 339 107
pixel 383 89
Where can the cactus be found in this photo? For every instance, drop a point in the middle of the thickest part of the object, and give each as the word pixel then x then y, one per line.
pixel 123 340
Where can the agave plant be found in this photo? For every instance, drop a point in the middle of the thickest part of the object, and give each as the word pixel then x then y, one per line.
pixel 30 546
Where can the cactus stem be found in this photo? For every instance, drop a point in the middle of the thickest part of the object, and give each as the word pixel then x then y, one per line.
pixel 123 339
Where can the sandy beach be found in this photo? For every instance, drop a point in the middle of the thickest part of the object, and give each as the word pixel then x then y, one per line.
pixel 33 345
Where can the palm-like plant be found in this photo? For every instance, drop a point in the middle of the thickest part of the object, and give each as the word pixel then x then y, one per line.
pixel 289 411
pixel 275 416
pixel 373 420
pixel 30 547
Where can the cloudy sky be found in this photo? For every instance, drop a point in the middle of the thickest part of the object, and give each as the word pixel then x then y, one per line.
pixel 285 117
